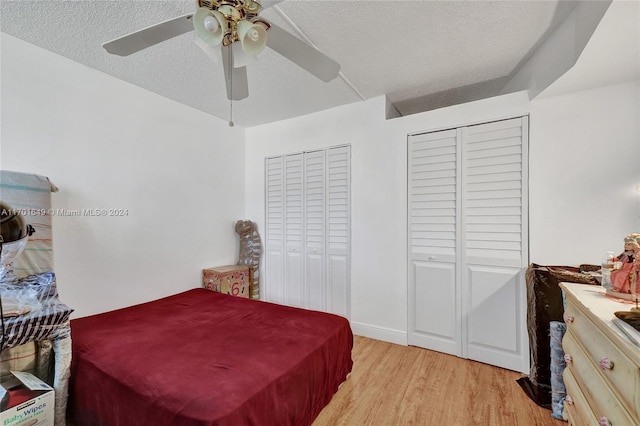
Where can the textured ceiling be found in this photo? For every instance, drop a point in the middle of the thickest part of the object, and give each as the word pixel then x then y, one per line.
pixel 417 53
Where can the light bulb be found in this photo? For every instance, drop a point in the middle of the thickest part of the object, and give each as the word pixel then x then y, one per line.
pixel 210 24
pixel 253 35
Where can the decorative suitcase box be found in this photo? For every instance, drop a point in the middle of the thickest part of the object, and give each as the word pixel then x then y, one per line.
pixel 231 279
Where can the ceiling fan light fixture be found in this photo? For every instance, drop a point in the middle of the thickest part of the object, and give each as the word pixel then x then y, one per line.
pixel 252 36
pixel 210 25
pixel 233 32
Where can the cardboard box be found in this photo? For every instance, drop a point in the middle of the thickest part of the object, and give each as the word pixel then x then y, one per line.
pixel 31 401
pixel 230 279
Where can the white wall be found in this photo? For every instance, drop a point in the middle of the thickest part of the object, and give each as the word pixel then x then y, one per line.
pixel 584 152
pixel 379 191
pixel 107 144
pixel 377 255
pixel 585 167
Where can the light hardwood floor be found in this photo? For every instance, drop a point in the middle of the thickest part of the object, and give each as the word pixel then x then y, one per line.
pixel 398 385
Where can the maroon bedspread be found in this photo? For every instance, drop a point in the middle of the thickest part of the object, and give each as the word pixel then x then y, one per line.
pixel 205 358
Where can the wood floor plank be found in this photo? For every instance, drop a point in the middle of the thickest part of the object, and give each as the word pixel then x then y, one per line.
pixel 399 385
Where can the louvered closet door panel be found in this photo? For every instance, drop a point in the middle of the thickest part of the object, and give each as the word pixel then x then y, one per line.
pixel 434 308
pixel 493 238
pixel 274 256
pixel 315 229
pixel 338 229
pixel 493 192
pixel 293 230
pixel 308 212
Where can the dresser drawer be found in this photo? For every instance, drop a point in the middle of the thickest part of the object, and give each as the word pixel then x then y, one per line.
pixel 616 368
pixel 595 387
pixel 576 407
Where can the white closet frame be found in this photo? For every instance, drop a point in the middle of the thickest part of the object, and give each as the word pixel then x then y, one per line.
pixel 468 241
pixel 308 229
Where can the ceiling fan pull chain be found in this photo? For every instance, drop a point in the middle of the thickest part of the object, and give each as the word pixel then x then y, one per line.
pixel 230 63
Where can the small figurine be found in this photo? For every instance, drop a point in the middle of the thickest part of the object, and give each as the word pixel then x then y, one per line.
pixel 621 278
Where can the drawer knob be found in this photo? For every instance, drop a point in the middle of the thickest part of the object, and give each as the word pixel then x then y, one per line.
pixel 567 358
pixel 606 363
pixel 568 400
pixel 603 421
pixel 568 318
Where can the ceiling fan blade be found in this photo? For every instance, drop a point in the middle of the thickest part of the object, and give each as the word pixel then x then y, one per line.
pixel 234 78
pixel 302 54
pixel 136 41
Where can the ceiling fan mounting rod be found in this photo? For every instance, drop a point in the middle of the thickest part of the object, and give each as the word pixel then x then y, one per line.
pixel 248 9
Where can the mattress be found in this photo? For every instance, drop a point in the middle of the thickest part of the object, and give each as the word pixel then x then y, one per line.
pixel 206 358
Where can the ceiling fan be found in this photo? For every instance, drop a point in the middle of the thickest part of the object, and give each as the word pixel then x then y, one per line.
pixel 234 30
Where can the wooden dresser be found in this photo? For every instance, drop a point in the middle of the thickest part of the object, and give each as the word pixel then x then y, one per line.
pixel 602 377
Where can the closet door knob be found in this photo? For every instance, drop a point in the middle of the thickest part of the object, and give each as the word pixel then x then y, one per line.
pixel 432 258
pixel 315 250
pixel 568 318
pixel 567 358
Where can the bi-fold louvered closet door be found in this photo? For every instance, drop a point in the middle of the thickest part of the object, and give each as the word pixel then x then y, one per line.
pixel 467 241
pixel 308 206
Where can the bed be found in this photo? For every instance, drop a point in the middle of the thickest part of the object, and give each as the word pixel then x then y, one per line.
pixel 206 358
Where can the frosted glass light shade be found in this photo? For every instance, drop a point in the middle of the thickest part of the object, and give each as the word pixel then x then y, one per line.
pixel 210 25
pixel 252 36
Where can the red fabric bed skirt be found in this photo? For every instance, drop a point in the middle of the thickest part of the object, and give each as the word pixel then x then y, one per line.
pixel 205 358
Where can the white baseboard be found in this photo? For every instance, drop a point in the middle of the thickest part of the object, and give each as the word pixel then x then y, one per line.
pixel 380 333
